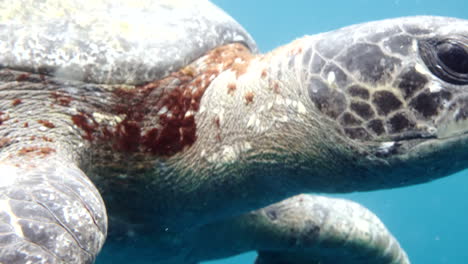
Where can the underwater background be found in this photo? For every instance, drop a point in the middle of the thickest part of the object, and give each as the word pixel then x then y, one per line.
pixel 429 220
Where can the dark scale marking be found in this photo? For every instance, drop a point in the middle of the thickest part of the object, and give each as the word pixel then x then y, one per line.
pixel 376 126
pixel 363 109
pixel 399 122
pixel 333 44
pixel 357 133
pixel 462 105
pixel 425 105
pixel 349 119
pixel 328 101
pixel 385 102
pixel 399 44
pixel 428 104
pixel 271 213
pixel 369 63
pixel 410 82
pixel 359 91
pixel 317 64
pixel 311 234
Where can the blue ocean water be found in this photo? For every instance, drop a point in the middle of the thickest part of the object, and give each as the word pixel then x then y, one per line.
pixel 429 220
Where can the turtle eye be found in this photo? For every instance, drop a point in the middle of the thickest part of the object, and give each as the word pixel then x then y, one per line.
pixel 454 56
pixel 447 59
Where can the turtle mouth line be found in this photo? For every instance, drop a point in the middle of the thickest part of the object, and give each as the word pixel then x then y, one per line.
pixel 460 140
pixel 412 136
pixel 411 142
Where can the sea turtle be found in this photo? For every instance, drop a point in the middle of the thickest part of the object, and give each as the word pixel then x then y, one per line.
pixel 164 109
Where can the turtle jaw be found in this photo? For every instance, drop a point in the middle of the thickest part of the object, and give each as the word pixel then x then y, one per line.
pixel 419 160
pixel 440 157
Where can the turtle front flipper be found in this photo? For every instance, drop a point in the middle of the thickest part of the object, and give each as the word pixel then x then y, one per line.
pixel 49 213
pixel 307 229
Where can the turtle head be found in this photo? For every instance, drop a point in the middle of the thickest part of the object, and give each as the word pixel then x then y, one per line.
pixel 398 90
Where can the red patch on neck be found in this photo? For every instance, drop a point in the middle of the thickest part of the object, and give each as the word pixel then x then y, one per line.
pixel 158 117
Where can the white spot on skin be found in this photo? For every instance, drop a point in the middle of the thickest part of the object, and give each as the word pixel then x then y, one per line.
pixel 238 60
pixel 279 101
pixel 435 87
pixel 419 68
pixel 261 109
pixel 251 121
pixel 188 114
pixel 202 109
pixel 294 103
pixel 414 45
pixel 269 106
pixel 331 77
pixel 383 62
pixel 213 158
pixel 9 175
pixel 122 176
pixel 221 116
pixel 301 108
pixel 257 122
pixel 385 147
pixel 247 146
pixel 283 119
pixel 5 207
pixel 229 154
pixel 162 111
pixel 98 117
pixel 432 130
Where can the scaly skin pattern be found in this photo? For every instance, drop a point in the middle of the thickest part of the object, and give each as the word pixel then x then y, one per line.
pixel 204 148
